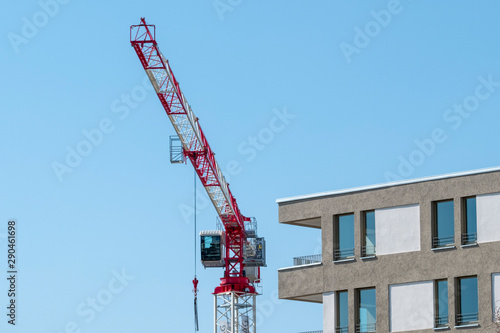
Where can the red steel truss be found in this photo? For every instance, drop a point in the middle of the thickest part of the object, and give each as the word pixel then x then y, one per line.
pixel 197 149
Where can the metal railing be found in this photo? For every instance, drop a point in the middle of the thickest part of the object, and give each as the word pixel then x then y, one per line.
pixel 306 260
pixel 368 251
pixel 343 254
pixel 176 151
pixel 441 321
pixel 470 238
pixel 467 318
pixel 343 329
pixel 442 241
pixel 370 327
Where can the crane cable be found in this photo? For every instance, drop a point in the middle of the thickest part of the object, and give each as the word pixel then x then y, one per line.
pixel 195 280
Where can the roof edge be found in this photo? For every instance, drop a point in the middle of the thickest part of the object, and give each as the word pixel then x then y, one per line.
pixel 389 184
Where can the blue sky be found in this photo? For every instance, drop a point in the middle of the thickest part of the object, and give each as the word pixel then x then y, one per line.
pixel 294 97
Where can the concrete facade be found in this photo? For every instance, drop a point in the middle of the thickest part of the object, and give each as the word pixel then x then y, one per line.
pixel 406 264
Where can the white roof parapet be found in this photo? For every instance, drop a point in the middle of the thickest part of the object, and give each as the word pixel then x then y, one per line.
pixel 382 185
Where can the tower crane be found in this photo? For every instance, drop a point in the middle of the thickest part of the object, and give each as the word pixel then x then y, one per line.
pixel 236 247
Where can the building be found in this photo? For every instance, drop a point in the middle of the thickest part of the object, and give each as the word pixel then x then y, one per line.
pixel 419 255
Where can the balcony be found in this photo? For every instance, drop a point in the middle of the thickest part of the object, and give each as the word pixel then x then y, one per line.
pixel 307 260
pixel 303 281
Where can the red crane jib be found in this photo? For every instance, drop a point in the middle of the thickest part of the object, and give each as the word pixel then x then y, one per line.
pixel 198 151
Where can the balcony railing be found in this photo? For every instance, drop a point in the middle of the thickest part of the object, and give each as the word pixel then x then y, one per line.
pixel 341 254
pixel 306 260
pixel 367 251
pixel 343 329
pixel 370 327
pixel 441 321
pixel 467 318
pixel 442 241
pixel 470 238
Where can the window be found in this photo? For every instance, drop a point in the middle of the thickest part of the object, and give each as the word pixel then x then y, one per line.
pixel 367 311
pixel 344 237
pixel 342 312
pixel 441 303
pixel 443 224
pixel 210 248
pixel 469 221
pixel 467 303
pixel 368 241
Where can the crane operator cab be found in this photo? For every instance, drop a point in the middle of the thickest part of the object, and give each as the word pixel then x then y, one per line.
pixel 212 248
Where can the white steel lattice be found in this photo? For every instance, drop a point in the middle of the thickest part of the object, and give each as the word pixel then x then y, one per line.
pixel 234 313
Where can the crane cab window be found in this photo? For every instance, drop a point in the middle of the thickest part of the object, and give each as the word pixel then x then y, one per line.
pixel 211 248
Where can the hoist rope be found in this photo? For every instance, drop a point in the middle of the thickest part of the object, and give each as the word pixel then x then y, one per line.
pixel 195 280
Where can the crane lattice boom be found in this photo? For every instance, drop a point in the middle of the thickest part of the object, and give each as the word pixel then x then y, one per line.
pixel 197 149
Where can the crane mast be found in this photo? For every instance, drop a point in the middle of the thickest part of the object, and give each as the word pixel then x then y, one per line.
pixel 235 296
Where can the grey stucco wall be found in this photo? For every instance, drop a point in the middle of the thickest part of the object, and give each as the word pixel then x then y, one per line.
pixel 424 265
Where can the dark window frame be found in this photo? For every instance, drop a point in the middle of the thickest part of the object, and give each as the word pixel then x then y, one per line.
pixel 465 319
pixel 365 251
pixel 467 237
pixel 441 241
pixel 441 322
pixel 372 327
pixel 338 328
pixel 338 253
